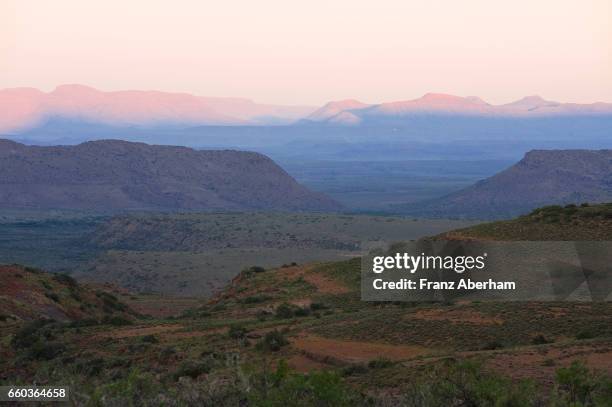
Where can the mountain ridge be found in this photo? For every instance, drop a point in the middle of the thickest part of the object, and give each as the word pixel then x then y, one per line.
pixel 26 108
pixel 542 177
pixel 121 175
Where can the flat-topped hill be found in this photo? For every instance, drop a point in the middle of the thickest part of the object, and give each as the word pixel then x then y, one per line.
pixel 117 175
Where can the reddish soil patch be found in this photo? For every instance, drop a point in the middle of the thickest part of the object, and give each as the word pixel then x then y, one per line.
pixel 160 307
pixel 325 285
pixel 334 351
pixel 456 316
pixel 304 364
pixel 171 335
pixel 540 364
pixel 140 331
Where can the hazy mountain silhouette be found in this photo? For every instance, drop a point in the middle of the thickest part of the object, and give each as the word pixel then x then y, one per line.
pixel 25 108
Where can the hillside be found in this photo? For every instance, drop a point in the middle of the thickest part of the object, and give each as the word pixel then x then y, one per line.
pixel 550 223
pixel 28 294
pixel 304 329
pixel 542 177
pixel 115 175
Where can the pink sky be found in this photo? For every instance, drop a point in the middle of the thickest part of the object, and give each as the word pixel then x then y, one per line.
pixel 310 52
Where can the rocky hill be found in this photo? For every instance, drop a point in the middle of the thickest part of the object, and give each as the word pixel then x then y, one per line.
pixel 542 177
pixel 30 294
pixel 117 175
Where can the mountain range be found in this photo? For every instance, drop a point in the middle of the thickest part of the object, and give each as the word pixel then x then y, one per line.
pixel 352 112
pixel 540 178
pixel 26 108
pixel 119 175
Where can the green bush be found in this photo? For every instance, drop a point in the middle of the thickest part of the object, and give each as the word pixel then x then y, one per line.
pixel 317 306
pixel 283 388
pixel 272 341
pixel 576 385
pixel 193 368
pixel 82 323
pixel 493 345
pixel 149 339
pixel 465 383
pixel 65 279
pixel 585 334
pixel 237 332
pixel 52 296
pixel 31 333
pixel 285 311
pixel 116 320
pixel 540 340
pixel 354 369
pixel 380 363
pixel 255 299
pixel 43 350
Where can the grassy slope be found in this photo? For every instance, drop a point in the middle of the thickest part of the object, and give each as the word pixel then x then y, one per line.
pixel 558 223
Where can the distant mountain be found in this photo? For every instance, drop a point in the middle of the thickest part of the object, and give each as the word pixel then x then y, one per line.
pixel 24 108
pixel 438 104
pixel 540 178
pixel 338 112
pixel 117 175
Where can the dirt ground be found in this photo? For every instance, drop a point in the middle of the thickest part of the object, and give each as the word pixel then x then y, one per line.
pixel 340 352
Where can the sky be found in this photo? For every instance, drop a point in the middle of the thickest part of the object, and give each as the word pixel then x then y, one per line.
pixel 311 52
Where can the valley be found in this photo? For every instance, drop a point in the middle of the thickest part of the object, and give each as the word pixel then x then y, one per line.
pixel 192 254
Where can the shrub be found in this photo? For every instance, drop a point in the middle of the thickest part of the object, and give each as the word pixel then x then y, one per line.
pixel 301 312
pixel 540 340
pixel 255 299
pixel 31 333
pixel 577 386
pixel 135 389
pixel 272 341
pixel 493 345
pixel 43 350
pixel 354 369
pixel 237 332
pixel 65 279
pixel 193 368
pixel 465 383
pixel 85 322
pixel 585 334
pixel 52 296
pixel 283 388
pixel 149 339
pixel 317 306
pixel 167 352
pixel 110 302
pixel 285 310
pixel 380 363
pixel 116 320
